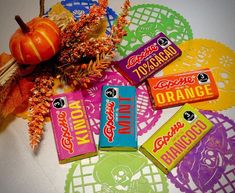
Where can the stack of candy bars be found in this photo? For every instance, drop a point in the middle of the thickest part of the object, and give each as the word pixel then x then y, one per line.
pixel 118 132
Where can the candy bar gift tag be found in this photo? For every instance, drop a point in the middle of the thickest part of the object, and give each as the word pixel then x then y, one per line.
pixel 118 118
pixel 73 137
pixel 169 144
pixel 148 59
pixel 177 89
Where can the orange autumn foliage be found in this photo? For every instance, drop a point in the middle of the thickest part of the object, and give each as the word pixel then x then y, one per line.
pixel 17 100
pixel 4 58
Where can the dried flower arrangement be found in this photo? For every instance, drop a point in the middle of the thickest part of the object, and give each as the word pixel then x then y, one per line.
pixel 85 53
pixel 80 42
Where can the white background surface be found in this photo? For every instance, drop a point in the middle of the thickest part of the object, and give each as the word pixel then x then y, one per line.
pixel 23 172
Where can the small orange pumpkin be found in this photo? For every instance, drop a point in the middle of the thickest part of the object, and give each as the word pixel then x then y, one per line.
pixel 36 41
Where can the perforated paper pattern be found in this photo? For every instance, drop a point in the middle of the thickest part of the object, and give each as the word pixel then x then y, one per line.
pixel 78 7
pixel 147 20
pixel 203 53
pixel 210 166
pixel 115 172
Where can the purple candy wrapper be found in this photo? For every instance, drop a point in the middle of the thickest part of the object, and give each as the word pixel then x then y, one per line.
pixel 148 59
pixel 210 166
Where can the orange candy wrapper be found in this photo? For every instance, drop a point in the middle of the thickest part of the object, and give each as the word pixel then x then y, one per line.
pixel 178 89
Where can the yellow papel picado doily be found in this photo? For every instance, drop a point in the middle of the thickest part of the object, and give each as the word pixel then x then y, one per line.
pixel 203 53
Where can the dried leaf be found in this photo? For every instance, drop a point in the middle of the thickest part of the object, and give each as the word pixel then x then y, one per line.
pixel 18 97
pixel 60 15
pixel 8 74
pixel 99 30
pixel 57 9
pixel 4 58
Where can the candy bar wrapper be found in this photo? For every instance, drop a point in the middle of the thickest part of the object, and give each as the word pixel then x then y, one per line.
pixel 178 89
pixel 118 119
pixel 72 132
pixel 148 59
pixel 168 145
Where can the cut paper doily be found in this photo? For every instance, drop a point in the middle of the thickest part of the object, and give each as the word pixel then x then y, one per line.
pixel 78 7
pixel 203 53
pixel 146 116
pixel 147 20
pixel 210 166
pixel 114 172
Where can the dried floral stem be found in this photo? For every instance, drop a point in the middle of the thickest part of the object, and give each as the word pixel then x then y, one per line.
pixel 118 31
pixel 78 31
pixel 8 74
pixel 83 75
pixel 39 105
pixel 42 8
pixel 78 46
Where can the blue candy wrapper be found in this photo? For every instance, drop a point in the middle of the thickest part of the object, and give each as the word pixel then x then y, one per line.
pixel 118 119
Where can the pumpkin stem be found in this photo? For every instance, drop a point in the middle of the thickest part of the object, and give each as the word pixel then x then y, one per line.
pixel 23 26
pixel 42 8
